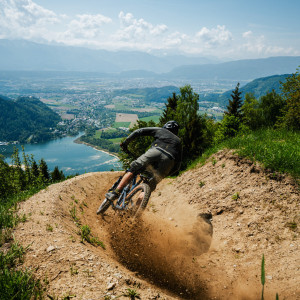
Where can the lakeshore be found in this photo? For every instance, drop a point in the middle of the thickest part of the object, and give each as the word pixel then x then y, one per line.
pixel 78 141
pixel 71 157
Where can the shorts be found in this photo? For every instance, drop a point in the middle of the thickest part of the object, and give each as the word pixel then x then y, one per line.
pixel 157 162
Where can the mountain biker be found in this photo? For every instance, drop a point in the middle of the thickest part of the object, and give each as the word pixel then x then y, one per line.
pixel 165 154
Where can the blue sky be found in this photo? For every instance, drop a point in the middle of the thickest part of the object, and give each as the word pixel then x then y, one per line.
pixel 227 29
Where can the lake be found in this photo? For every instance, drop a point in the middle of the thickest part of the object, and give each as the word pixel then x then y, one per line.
pixel 70 157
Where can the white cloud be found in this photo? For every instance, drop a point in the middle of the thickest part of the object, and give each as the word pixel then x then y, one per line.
pixel 247 34
pixel 132 29
pixel 24 19
pixel 86 26
pixel 257 45
pixel 214 37
pixel 175 39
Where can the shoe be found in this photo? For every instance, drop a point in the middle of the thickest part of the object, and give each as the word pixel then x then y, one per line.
pixel 111 196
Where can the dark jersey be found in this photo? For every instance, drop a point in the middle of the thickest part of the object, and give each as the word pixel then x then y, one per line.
pixel 164 140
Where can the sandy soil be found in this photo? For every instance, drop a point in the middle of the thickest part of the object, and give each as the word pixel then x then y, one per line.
pixel 202 236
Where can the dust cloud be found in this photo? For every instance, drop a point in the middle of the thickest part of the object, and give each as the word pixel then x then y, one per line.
pixel 161 252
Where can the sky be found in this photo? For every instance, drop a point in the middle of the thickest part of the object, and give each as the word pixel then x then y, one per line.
pixel 224 29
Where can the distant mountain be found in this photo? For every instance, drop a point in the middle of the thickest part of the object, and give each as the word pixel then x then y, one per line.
pixel 26 118
pixel 248 69
pixel 259 87
pixel 21 55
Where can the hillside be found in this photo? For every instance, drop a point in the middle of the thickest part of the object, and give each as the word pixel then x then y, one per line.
pixel 174 251
pixel 26 118
pixel 259 87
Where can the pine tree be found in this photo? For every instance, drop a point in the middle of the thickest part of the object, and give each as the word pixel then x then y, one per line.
pixel 26 166
pixel 18 173
pixel 44 172
pixel 57 175
pixel 235 103
pixel 170 111
pixel 233 117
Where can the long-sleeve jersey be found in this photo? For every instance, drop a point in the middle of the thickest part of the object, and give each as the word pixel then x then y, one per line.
pixel 164 140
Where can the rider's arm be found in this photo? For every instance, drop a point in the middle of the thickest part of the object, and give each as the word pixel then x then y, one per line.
pixel 146 131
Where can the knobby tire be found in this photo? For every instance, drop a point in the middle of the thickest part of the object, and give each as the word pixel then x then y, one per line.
pixel 138 205
pixel 103 207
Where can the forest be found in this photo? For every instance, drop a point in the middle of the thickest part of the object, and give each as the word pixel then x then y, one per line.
pixel 276 112
pixel 26 119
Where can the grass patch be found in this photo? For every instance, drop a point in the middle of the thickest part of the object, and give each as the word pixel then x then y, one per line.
pixel 154 118
pixel 85 234
pixel 116 140
pixel 97 134
pixel 276 150
pixel 132 294
pixel 121 107
pixel 16 283
pixel 121 124
pixel 8 212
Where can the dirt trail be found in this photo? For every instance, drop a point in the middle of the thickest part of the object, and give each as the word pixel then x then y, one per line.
pixel 201 237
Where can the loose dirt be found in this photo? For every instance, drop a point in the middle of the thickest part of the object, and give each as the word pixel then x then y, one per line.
pixel 202 236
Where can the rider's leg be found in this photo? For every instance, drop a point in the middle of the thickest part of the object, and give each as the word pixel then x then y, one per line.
pixel 140 163
pixel 124 181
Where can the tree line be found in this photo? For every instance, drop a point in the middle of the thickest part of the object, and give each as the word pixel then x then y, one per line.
pixel 106 144
pixel 25 174
pixel 199 132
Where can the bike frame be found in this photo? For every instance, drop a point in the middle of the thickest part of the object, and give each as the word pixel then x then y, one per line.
pixel 121 203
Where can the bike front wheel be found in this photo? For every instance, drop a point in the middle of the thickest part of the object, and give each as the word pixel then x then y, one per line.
pixel 138 198
pixel 103 207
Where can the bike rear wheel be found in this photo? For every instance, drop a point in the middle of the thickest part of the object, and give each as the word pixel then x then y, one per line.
pixel 103 207
pixel 138 198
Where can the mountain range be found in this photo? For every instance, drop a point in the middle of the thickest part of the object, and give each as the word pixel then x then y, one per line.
pixel 21 55
pixel 248 69
pixel 259 87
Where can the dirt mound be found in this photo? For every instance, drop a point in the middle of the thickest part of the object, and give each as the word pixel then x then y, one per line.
pixel 201 237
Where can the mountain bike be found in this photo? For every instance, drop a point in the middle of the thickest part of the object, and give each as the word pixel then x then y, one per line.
pixel 134 197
